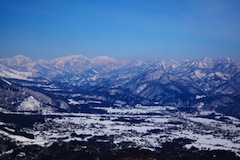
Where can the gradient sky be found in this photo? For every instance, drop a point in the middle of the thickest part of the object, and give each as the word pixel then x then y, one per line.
pixel 136 29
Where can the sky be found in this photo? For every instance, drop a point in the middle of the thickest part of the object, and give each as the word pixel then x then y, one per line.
pixel 127 29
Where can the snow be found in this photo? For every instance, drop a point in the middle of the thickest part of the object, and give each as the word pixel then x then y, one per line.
pixel 7 152
pixel 158 120
pixel 138 109
pixel 199 74
pixel 211 142
pixel 99 102
pixel 140 88
pixel 16 137
pixel 53 89
pixel 203 120
pixel 139 63
pixel 63 105
pixel 94 78
pixel 21 58
pixel 221 75
pixel 206 63
pixel 207 133
pixel 10 73
pixel 9 83
pixel 9 129
pixel 71 101
pixel 61 61
pixel 29 104
pixel 200 105
pixel 200 96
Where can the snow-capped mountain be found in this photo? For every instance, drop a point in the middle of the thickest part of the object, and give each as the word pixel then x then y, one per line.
pixel 74 63
pixel 16 61
pixel 83 107
pixel 11 73
pixel 117 82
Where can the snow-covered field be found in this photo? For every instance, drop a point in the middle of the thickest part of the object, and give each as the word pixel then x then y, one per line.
pixel 145 126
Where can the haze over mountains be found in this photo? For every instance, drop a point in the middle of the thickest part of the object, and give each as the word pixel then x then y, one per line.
pixel 211 84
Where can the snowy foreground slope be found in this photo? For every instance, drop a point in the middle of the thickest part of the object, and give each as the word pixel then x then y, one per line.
pixel 103 108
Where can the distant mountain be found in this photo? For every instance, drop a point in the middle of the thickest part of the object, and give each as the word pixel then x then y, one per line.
pixel 19 62
pixel 211 84
pixel 11 73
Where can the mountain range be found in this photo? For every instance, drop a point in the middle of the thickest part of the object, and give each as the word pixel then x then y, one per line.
pixel 75 82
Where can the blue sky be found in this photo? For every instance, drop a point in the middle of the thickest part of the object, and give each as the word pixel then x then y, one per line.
pixel 135 29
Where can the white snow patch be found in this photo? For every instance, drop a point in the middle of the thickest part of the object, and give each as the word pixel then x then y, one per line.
pixel 199 74
pixel 71 101
pixel 9 129
pixel 140 88
pixel 7 152
pixel 200 96
pixel 211 142
pixel 221 75
pixel 200 105
pixel 29 104
pixel 203 120
pixel 9 83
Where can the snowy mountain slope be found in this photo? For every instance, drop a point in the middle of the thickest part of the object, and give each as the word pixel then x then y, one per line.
pixel 19 62
pixel 15 97
pixel 85 105
pixel 11 73
pixel 163 82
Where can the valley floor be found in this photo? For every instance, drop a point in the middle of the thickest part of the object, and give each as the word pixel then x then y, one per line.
pixel 134 133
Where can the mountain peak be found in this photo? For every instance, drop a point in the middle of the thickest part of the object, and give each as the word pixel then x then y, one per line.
pixel 72 63
pixel 226 59
pixel 21 57
pixel 205 62
pixel 139 63
pixel 18 60
pixel 69 59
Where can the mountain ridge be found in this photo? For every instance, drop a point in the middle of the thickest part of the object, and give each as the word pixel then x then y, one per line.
pixel 116 82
